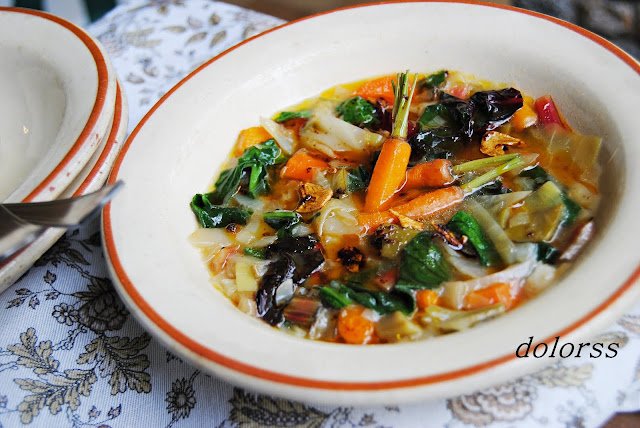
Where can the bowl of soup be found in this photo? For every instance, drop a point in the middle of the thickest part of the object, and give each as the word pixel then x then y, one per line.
pixel 365 217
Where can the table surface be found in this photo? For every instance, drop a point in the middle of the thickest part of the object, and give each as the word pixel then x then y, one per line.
pixel 72 355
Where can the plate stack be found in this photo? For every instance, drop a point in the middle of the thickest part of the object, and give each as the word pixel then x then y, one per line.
pixel 62 118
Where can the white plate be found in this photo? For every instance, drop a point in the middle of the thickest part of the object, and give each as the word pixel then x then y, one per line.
pixel 178 147
pixel 58 96
pixel 90 179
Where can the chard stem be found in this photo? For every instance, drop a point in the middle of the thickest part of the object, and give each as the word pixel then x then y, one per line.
pixel 491 175
pixel 482 163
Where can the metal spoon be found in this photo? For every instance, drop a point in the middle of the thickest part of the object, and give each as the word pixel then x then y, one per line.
pixel 21 224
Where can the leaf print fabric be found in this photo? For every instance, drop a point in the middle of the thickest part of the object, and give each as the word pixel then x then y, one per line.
pixel 72 355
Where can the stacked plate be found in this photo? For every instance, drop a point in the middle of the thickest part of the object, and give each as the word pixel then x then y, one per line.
pixel 62 118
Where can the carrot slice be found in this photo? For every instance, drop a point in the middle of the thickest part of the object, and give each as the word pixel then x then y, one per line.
pixel 436 173
pixel 389 173
pixel 426 298
pixel 499 292
pixel 419 208
pixel 353 327
pixel 525 116
pixel 250 137
pixel 371 221
pixel 375 89
pixel 427 204
pixel 302 165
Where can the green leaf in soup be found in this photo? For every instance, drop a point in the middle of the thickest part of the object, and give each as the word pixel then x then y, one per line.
pixel 258 253
pixel 338 295
pixel 357 179
pixel 537 174
pixel 547 253
pixel 227 185
pixel 250 174
pixel 436 79
pixel 464 223
pixel 288 115
pixel 335 295
pixel 422 264
pixel 396 300
pixel 212 216
pixel 267 154
pixel 359 112
pixel 283 221
pixel 572 209
pixel 435 116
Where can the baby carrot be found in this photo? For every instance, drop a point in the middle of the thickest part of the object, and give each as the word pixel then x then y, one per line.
pixel 389 172
pixel 425 205
pixel 436 173
pixel 419 208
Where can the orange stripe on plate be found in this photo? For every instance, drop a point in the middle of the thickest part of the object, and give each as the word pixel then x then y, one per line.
pixel 268 375
pixel 115 127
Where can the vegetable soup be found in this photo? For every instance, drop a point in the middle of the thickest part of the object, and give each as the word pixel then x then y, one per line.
pixel 399 208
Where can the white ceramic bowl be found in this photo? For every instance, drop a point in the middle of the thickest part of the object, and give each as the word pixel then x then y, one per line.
pixel 58 96
pixel 177 149
pixel 91 178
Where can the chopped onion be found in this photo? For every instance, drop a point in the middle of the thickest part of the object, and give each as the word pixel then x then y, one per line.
pixel 245 280
pixel 337 217
pixel 205 237
pixel 254 204
pixel 285 291
pixel 249 232
pixel 282 135
pixel 355 138
pixel 264 241
pixel 453 320
pixel 466 266
pixel 454 292
pixel 541 277
pixel 247 304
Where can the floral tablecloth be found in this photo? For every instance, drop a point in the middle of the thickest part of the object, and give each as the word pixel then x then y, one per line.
pixel 72 355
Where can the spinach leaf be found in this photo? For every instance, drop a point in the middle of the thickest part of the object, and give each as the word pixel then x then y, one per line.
pixel 464 223
pixel 258 253
pixel 495 187
pixel 357 179
pixel 547 253
pixel 338 295
pixel 288 115
pixel 572 209
pixel 211 216
pixel 250 174
pixel 335 295
pixel 359 112
pixel 435 116
pixel 283 221
pixel 436 79
pixel 422 264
